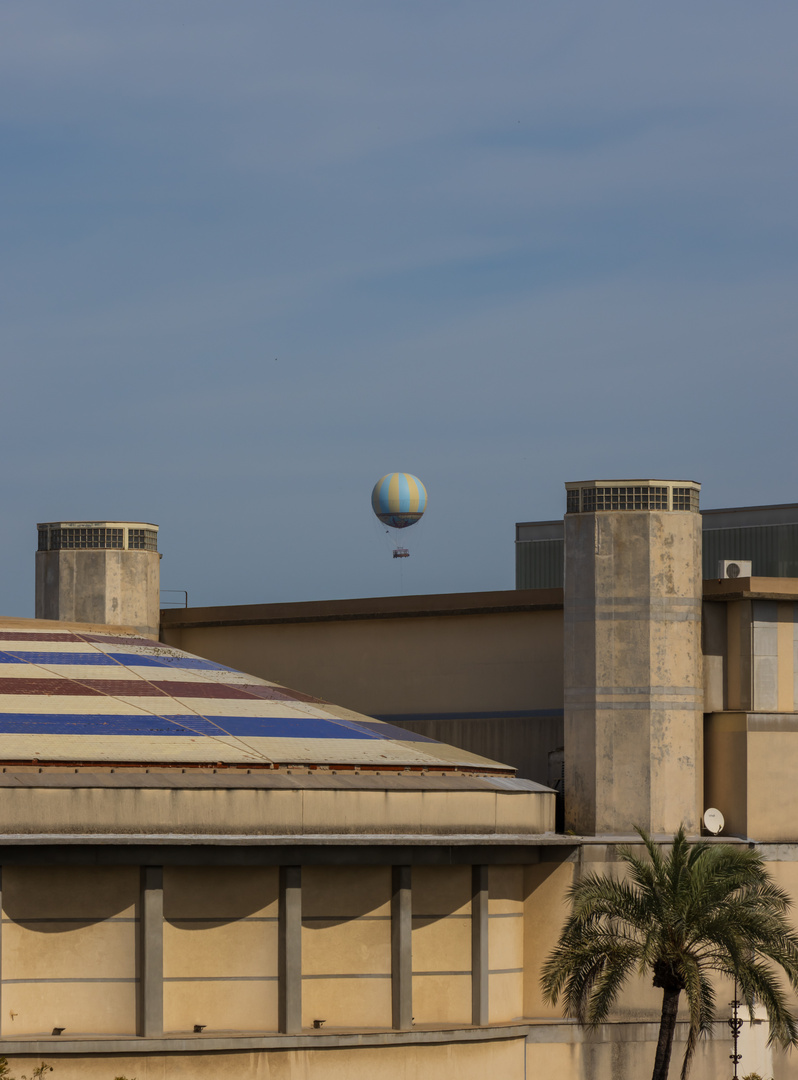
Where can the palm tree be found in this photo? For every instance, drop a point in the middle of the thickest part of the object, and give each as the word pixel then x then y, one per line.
pixel 681 917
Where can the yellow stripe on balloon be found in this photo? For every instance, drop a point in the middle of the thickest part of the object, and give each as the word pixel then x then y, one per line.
pixel 393 490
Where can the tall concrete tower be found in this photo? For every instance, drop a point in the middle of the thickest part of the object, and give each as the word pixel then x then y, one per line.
pixel 633 676
pixel 99 572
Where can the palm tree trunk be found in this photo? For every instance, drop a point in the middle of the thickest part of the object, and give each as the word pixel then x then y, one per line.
pixel 667 1028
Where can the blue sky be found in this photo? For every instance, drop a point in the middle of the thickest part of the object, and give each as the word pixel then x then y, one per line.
pixel 256 255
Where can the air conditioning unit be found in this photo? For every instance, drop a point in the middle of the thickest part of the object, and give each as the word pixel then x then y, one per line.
pixel 732 568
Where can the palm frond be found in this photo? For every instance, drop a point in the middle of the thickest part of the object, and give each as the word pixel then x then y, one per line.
pixel 682 915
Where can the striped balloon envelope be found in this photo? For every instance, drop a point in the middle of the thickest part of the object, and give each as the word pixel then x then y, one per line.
pixel 399 500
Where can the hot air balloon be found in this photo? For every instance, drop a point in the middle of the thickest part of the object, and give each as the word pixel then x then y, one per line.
pixel 399 500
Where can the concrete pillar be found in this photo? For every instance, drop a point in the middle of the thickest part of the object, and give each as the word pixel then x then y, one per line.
pixel 479 945
pixel 401 948
pixel 151 952
pixel 105 572
pixel 290 950
pixel 633 671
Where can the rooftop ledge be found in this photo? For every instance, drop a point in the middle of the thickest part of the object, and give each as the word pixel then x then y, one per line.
pixel 43 1045
pixel 294 839
pixel 437 605
pixel 752 588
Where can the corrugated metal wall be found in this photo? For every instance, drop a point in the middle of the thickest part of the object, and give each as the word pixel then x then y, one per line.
pixel 772 549
pixel 539 564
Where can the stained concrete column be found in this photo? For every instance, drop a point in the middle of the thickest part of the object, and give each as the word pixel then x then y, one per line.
pixel 151 944
pixel 99 572
pixel 479 945
pixel 632 659
pixel 401 948
pixel 290 950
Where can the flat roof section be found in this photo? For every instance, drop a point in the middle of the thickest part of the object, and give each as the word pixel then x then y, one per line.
pixel 372 607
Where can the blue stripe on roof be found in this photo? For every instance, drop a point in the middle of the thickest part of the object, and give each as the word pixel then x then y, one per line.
pixel 132 659
pixel 404 494
pixel 264 727
pixel 100 659
pixel 56 658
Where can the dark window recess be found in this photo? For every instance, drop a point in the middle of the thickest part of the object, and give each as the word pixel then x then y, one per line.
pixel 626 497
pixel 98 538
pixel 86 538
pixel 142 539
pixel 685 498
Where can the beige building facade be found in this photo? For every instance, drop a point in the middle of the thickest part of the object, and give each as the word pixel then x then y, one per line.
pixel 349 860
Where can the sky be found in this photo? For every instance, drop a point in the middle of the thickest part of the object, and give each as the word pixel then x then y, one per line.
pixel 255 255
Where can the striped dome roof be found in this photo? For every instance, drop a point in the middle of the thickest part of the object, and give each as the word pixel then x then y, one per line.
pixel 80 695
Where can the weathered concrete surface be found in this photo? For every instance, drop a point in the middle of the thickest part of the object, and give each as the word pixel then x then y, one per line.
pixel 614 1052
pixel 265 811
pixel 633 671
pixel 108 586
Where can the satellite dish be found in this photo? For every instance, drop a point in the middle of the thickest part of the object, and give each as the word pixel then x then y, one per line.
pixel 713 820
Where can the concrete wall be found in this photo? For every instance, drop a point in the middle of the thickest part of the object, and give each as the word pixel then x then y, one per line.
pixel 346 946
pixel 69 955
pixel 116 588
pixel 220 948
pixel 751 730
pixel 72 941
pixel 761 651
pixel 622 1053
pixel 633 671
pixel 487 676
pixel 442 945
pixel 751 765
pixel 74 947
pixel 283 811
pixel 610 1054
pixel 221 965
pixel 506 943
pixel 468 1060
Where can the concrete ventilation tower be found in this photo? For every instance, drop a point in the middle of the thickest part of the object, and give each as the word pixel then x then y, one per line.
pixel 633 677
pixel 99 572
